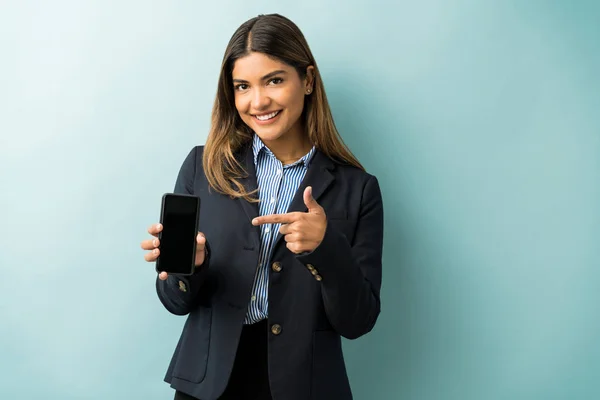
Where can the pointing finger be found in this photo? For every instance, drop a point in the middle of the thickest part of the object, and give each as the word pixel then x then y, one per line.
pixel 276 219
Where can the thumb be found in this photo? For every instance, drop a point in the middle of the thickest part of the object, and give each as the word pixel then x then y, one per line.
pixel 310 201
pixel 201 239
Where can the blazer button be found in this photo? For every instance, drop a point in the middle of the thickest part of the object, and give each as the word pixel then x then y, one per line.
pixel 182 286
pixel 314 272
pixel 318 277
pixel 276 267
pixel 310 267
pixel 276 329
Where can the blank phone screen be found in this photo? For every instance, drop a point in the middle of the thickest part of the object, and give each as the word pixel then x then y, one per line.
pixel 178 237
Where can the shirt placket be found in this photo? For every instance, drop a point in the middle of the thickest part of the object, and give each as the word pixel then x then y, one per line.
pixel 273 229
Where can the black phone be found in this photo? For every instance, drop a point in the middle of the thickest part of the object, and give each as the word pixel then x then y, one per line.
pixel 179 217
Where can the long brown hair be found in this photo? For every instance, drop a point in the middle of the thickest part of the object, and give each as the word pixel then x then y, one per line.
pixel 279 38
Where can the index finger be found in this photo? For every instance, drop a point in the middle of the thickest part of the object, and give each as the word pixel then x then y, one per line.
pixel 287 218
pixel 155 229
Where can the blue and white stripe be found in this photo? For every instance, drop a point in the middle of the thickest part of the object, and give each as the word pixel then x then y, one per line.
pixel 277 185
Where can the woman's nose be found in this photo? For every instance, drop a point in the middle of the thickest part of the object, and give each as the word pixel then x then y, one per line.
pixel 260 100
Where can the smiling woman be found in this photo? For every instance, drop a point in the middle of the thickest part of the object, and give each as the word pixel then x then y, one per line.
pixel 268 67
pixel 289 254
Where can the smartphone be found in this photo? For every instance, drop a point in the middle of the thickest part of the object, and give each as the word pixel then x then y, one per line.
pixel 179 215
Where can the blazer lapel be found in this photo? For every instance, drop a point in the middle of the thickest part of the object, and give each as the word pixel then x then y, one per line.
pixel 319 176
pixel 250 184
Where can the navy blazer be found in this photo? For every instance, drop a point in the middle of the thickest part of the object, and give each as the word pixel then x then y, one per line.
pixel 314 298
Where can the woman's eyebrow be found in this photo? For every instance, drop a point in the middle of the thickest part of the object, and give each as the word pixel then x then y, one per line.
pixel 267 76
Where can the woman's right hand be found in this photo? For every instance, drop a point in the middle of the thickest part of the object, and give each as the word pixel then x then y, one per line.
pixel 153 251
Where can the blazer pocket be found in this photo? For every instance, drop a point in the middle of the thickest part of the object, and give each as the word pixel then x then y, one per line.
pixel 192 357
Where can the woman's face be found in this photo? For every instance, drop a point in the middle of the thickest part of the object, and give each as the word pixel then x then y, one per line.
pixel 269 96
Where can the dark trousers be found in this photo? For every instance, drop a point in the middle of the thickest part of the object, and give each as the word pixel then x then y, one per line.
pixel 250 377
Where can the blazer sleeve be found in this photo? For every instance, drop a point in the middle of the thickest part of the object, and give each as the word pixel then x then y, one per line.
pixel 179 293
pixel 351 273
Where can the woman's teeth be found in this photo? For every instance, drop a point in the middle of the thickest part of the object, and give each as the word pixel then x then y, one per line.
pixel 267 117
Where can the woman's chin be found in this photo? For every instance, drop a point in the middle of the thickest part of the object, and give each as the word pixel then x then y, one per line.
pixel 268 134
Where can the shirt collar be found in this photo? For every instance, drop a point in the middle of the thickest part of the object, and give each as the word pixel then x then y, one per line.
pixel 258 146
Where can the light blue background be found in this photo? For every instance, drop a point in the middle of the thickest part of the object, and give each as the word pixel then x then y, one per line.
pixel 480 118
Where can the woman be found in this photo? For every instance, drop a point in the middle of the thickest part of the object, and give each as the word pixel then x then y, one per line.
pixel 289 253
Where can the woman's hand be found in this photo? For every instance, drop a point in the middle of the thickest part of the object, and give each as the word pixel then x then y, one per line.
pixel 303 231
pixel 153 251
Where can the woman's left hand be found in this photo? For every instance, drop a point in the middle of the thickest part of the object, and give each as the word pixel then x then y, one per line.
pixel 303 231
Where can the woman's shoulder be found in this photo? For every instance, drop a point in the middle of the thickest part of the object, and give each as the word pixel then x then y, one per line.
pixel 194 159
pixel 352 172
pixel 194 156
pixel 198 151
pixel 191 167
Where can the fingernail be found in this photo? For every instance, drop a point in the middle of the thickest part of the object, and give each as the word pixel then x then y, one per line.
pixel 254 221
pixel 155 242
pixel 155 251
pixel 157 226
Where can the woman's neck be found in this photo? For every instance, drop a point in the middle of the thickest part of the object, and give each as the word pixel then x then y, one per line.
pixel 290 148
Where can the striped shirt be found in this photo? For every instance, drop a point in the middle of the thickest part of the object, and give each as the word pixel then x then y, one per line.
pixel 277 185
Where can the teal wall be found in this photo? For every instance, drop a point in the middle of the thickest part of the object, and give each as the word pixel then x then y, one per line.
pixel 480 118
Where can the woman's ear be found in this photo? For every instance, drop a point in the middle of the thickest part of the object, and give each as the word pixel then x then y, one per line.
pixel 309 81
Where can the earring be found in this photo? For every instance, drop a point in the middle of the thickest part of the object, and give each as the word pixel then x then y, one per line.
pixel 308 91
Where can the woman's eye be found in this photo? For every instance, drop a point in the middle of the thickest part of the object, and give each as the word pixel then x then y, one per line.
pixel 275 81
pixel 241 86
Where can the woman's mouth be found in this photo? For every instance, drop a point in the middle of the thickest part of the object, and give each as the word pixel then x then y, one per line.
pixel 266 118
